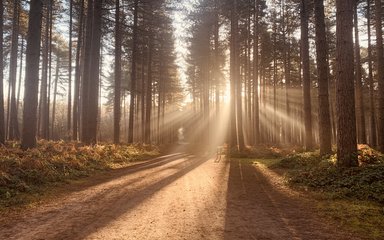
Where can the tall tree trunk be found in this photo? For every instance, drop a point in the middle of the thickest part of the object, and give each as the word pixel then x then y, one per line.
pixel 276 130
pixel 133 72
pixel 148 100
pixel 79 47
pixel 345 98
pixel 117 102
pixel 256 107
pixel 32 75
pixel 2 119
pixel 69 104
pixel 287 75
pixel 325 134
pixel 20 74
pixel 85 91
pixel 373 134
pixel 94 80
pixel 44 107
pixel 360 112
pixel 47 120
pixel 14 125
pixel 380 72
pixel 216 65
pixel 54 97
pixel 306 74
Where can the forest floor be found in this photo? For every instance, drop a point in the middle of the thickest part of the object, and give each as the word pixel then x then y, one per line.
pixel 178 196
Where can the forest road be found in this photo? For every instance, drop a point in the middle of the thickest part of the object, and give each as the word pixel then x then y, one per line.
pixel 178 196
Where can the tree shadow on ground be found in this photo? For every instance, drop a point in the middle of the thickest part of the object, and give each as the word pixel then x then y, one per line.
pixel 121 202
pixel 256 209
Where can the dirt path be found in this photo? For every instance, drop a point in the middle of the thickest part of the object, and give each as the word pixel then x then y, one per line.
pixel 176 197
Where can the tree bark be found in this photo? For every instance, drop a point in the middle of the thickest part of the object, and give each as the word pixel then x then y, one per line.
pixel 69 104
pixel 2 120
pixel 79 47
pixel 360 112
pixel 345 98
pixel 32 75
pixel 117 92
pixel 373 133
pixel 14 125
pixel 133 72
pixel 380 72
pixel 54 97
pixel 306 74
pixel 325 134
pixel 256 111
pixel 86 75
pixel 94 81
pixel 44 106
pixel 148 100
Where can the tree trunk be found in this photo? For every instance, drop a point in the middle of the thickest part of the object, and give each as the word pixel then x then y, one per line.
pixel 86 75
pixel 32 75
pixel 54 97
pixel 345 98
pixel 306 74
pixel 360 112
pixel 148 100
pixel 14 125
pixel 287 75
pixel 44 112
pixel 256 111
pixel 117 102
pixel 76 98
pixel 133 72
pixel 2 126
pixel 69 104
pixel 20 74
pixel 325 134
pixel 373 134
pixel 380 72
pixel 94 73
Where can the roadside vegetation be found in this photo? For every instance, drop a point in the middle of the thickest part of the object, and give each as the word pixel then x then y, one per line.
pixel 353 197
pixel 29 173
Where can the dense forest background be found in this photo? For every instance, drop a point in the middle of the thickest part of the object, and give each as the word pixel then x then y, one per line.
pixel 246 72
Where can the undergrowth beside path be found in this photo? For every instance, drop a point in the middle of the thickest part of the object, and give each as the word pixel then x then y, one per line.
pixel 353 197
pixel 27 173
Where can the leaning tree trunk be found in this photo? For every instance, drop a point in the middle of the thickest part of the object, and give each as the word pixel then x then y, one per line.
pixel 306 74
pixel 345 98
pixel 32 75
pixel 380 72
pixel 325 129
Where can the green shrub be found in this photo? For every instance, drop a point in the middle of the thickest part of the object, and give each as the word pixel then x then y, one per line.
pixel 365 182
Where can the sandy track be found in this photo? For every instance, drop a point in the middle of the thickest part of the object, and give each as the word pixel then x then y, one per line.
pixel 176 197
